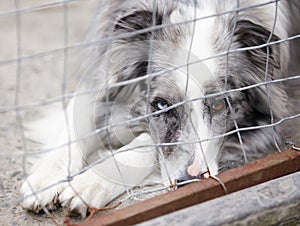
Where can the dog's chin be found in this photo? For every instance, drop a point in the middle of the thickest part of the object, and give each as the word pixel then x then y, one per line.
pixel 192 162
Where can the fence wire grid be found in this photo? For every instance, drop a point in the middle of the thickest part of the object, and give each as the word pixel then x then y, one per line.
pixel 41 53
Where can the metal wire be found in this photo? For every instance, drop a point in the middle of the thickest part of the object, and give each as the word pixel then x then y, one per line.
pixel 18 108
pixel 267 75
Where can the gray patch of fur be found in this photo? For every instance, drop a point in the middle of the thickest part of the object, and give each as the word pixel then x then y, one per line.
pixel 250 107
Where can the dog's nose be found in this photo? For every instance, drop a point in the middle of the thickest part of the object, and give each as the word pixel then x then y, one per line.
pixel 193 170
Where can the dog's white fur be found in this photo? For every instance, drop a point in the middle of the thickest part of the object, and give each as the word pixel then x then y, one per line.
pixel 102 182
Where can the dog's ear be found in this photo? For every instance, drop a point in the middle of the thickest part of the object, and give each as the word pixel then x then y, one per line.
pixel 132 49
pixel 249 34
pixel 264 100
pixel 138 20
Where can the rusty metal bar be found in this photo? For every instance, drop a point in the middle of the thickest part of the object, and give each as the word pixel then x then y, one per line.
pixel 271 167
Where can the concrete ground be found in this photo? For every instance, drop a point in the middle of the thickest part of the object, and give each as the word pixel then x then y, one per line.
pixel 275 202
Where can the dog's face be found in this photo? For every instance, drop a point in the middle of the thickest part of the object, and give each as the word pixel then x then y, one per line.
pixel 188 109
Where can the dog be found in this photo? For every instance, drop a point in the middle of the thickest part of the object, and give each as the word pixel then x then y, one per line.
pixel 165 96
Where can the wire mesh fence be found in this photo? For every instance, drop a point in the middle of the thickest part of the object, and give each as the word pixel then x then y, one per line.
pixel 136 98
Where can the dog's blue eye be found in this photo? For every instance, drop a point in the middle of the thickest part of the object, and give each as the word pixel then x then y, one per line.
pixel 161 105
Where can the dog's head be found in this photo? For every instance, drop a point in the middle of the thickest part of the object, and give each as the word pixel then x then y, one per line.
pixel 165 82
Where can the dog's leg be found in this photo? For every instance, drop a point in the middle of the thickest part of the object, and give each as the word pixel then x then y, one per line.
pixel 42 187
pixel 102 183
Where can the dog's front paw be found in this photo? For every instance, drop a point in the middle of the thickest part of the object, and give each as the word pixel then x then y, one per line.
pixel 40 190
pixel 89 190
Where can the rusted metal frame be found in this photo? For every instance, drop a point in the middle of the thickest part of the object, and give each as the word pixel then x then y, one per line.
pixel 251 174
